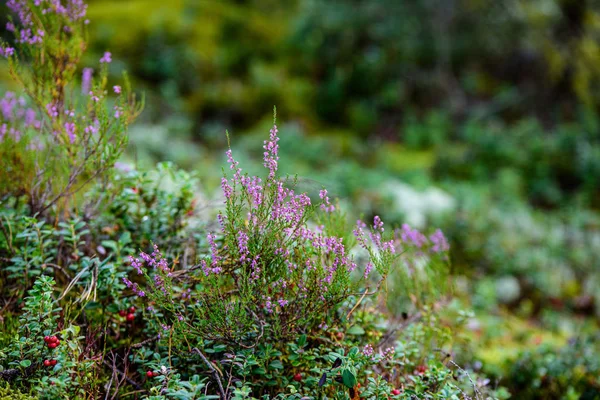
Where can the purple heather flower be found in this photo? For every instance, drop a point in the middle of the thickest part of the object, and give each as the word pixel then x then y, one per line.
pixel 255 268
pixel 30 119
pixel 10 27
pixel 413 236
pixel 360 235
pixel 227 189
pixel 242 238
pixel 137 264
pixel 95 98
pixel 269 305
pixel 326 206
pixel 156 252
pixel 117 89
pixel 221 219
pixel 134 287
pixel 159 283
pixel 378 223
pixel 282 302
pixel 440 244
pixel 7 51
pixel 233 165
pixel 368 269
pixel 271 152
pixel 368 350
pixel 52 110
pixel 213 250
pixel 86 80
pixel 7 105
pixel 106 58
pixel 70 129
pixel 388 353
pixel 93 128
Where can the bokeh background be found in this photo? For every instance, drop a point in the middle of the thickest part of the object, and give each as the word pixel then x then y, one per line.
pixel 477 116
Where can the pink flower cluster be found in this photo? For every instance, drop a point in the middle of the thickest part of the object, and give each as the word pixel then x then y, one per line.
pixel 302 255
pixel 74 10
pixel 6 51
pixel 16 117
pixel 157 262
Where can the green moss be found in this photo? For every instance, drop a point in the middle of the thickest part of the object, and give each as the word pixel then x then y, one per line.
pixel 8 393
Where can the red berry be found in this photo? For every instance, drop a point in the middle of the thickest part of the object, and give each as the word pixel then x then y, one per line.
pixel 52 345
pixel 130 317
pixel 53 339
pixel 46 339
pixel 132 309
pixel 47 363
pixel 53 362
pixel 395 392
pixel 122 313
pixel 298 377
pixel 150 374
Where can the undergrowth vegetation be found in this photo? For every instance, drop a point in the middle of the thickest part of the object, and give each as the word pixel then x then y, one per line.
pixel 113 286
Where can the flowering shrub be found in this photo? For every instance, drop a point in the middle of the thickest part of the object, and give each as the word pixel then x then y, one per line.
pixel 52 140
pixel 270 273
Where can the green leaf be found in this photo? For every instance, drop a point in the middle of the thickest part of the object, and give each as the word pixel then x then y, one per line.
pixel 348 378
pixel 276 365
pixel 356 330
pixel 302 340
pixel 25 363
pixel 110 244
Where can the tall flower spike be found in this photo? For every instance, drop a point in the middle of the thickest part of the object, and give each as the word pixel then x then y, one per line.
pixel 271 152
pixel 86 80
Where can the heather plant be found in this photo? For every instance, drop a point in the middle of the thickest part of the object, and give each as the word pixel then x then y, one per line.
pixel 270 272
pixel 278 268
pixel 53 140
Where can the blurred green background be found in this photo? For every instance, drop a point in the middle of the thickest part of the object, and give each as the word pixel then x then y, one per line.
pixel 478 116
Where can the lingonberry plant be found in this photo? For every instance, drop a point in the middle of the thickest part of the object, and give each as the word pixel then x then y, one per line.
pixel 281 298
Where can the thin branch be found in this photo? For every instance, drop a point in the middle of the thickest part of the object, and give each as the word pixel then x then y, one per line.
pixel 357 303
pixel 141 344
pixel 222 394
pixel 129 380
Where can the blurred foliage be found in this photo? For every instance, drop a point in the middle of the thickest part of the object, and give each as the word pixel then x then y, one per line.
pixel 569 373
pixel 370 65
